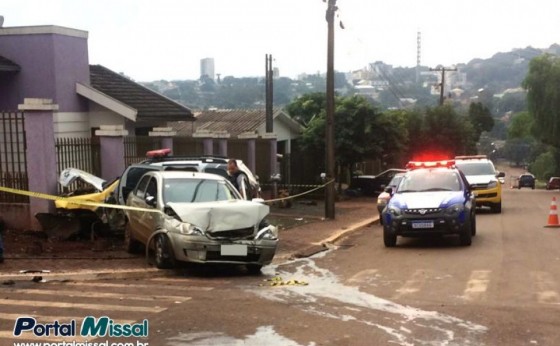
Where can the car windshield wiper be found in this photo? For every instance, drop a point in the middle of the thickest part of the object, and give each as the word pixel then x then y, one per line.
pixel 436 189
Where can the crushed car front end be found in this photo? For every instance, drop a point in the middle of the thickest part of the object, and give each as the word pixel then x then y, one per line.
pixel 231 232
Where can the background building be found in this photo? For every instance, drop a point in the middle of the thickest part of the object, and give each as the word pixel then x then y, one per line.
pixel 207 68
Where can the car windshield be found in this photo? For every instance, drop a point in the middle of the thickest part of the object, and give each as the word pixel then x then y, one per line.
pixel 196 190
pixel 430 180
pixel 478 168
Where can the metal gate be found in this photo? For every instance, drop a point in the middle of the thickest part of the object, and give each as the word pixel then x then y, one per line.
pixel 13 158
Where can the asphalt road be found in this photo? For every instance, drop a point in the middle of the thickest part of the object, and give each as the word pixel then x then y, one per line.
pixel 502 290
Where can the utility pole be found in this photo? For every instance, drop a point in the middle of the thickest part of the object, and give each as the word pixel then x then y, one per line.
pixel 329 129
pixel 442 85
pixel 269 93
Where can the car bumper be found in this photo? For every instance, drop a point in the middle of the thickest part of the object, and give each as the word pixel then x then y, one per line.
pixel 200 249
pixel 442 224
pixel 487 197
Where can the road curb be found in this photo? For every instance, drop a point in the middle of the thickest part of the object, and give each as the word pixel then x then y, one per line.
pixel 352 228
pixel 322 245
pixel 87 275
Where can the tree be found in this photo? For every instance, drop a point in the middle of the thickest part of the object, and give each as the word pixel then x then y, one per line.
pixel 361 131
pixel 543 97
pixel 307 107
pixel 445 133
pixel 480 118
pixel 520 126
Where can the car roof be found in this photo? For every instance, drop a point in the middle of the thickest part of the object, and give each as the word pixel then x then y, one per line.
pixel 187 175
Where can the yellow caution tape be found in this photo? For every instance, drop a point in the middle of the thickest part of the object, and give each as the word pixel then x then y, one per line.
pixel 74 200
pixel 301 194
pixel 277 281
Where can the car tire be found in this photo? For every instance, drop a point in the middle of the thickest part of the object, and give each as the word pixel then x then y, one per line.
pixel 465 238
pixel 164 257
pixel 496 207
pixel 254 269
pixel 131 245
pixel 473 225
pixel 389 239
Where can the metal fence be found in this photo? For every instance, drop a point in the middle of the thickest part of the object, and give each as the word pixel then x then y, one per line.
pixel 81 153
pixel 13 158
pixel 135 148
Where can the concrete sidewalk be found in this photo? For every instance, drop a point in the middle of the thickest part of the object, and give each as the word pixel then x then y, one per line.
pixel 308 235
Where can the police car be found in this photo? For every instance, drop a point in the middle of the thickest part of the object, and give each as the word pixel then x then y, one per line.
pixel 432 198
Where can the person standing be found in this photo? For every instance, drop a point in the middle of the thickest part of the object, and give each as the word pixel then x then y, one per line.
pixel 238 179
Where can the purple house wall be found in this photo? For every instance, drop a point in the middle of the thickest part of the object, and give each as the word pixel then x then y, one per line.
pixel 52 60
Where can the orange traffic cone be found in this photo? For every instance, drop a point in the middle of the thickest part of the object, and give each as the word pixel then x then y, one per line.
pixel 553 215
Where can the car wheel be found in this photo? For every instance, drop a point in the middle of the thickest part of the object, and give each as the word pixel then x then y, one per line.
pixel 164 256
pixel 466 235
pixel 131 245
pixel 473 225
pixel 496 207
pixel 254 269
pixel 389 238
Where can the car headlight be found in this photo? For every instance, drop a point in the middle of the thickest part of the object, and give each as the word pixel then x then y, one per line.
pixel 492 184
pixel 395 211
pixel 268 233
pixel 455 209
pixel 188 229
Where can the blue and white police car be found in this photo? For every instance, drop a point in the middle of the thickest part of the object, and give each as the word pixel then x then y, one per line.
pixel 433 198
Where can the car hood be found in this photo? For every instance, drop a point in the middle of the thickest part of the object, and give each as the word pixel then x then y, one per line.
pixel 480 179
pixel 69 175
pixel 221 216
pixel 415 200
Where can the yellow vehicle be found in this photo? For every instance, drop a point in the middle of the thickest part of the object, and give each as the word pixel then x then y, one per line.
pixel 483 178
pixel 98 197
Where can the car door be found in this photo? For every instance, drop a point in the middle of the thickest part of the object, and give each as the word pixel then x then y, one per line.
pixel 137 218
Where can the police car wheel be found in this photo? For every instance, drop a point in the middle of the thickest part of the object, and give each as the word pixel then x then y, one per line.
pixel 389 239
pixel 465 237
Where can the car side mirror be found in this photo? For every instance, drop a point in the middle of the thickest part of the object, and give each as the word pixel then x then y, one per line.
pixel 389 190
pixel 501 175
pixel 151 201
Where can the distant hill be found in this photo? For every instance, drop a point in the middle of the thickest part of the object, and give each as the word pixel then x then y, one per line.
pixel 503 70
pixel 500 72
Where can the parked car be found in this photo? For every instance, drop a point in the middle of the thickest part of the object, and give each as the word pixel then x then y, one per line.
pixel 387 193
pixel 198 217
pixel 526 180
pixel 432 198
pixel 553 183
pixel 159 160
pixel 371 185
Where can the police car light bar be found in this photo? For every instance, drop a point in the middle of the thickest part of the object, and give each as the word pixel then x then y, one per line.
pixel 429 164
pixel 471 157
pixel 152 154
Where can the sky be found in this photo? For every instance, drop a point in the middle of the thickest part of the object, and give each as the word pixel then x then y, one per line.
pixel 165 39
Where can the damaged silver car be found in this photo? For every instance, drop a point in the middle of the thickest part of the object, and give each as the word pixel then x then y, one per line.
pixel 198 217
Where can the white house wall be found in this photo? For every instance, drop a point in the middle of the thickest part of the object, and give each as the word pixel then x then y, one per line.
pixel 283 132
pixel 71 124
pixel 100 115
